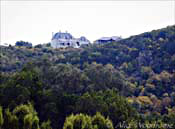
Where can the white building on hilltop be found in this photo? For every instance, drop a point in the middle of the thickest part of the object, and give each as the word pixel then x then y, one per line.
pixel 64 40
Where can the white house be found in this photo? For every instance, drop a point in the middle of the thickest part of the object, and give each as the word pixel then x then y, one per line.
pixel 63 40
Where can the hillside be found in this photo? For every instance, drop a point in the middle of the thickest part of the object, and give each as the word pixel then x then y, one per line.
pixel 130 80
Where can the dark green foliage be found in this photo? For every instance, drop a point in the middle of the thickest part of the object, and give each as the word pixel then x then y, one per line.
pixel 23 43
pixel 22 87
pixel 109 103
pixel 65 91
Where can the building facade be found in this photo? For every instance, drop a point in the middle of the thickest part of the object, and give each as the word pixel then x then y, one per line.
pixel 105 40
pixel 64 40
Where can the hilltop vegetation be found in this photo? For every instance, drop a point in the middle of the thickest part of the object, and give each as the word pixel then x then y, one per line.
pixel 132 80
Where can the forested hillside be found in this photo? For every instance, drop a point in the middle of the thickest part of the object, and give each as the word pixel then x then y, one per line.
pixel 95 87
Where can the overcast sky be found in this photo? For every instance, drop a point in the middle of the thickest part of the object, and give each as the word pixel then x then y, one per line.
pixel 34 21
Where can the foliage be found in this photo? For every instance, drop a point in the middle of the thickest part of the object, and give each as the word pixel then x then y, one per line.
pixel 1 118
pixel 132 80
pixel 23 43
pixel 81 121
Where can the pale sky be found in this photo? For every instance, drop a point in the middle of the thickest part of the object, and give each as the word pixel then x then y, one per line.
pixel 34 21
